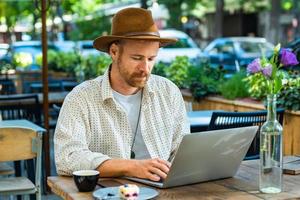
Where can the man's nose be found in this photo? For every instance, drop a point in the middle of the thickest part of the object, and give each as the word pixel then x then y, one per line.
pixel 144 66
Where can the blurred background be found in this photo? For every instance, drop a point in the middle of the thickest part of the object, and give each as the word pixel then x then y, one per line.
pixel 223 35
pixel 217 39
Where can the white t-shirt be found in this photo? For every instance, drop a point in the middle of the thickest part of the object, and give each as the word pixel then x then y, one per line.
pixel 131 106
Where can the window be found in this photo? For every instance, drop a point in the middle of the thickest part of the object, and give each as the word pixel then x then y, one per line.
pixel 254 47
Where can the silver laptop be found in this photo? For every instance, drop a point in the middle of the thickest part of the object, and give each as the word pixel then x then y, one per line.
pixel 206 156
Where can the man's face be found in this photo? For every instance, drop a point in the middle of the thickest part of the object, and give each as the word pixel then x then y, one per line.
pixel 135 61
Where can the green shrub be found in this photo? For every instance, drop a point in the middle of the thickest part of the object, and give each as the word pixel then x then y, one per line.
pixel 94 65
pixel 205 80
pixel 52 57
pixel 22 59
pixel 235 87
pixel 177 72
pixel 289 97
pixel 159 69
pixel 61 61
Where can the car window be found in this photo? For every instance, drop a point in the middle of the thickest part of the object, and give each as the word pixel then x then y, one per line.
pixel 2 52
pixel 225 48
pixel 181 43
pixel 32 49
pixel 87 46
pixel 254 47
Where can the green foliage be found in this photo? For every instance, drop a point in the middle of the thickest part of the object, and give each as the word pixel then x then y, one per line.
pixel 177 72
pixel 22 59
pixel 205 80
pixel 12 11
pixel 85 30
pixel 82 8
pixel 52 57
pixel 61 61
pixel 257 86
pixel 290 95
pixel 159 69
pixel 76 65
pixel 235 87
pixel 66 62
pixel 94 65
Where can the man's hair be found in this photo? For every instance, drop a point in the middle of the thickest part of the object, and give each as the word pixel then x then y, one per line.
pixel 119 43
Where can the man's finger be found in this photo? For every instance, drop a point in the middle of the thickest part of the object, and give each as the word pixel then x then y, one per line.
pixel 164 162
pixel 153 177
pixel 161 166
pixel 158 172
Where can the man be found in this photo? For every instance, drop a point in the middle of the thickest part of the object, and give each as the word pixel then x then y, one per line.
pixel 126 113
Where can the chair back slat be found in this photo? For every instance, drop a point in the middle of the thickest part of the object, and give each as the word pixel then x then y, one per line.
pixel 25 106
pixel 225 120
pixel 17 144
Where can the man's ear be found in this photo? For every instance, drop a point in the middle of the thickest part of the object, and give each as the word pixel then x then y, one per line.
pixel 113 51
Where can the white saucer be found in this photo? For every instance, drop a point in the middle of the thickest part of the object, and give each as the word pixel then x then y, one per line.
pixel 113 193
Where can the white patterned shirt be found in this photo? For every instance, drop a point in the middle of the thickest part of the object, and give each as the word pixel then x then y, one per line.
pixel 93 128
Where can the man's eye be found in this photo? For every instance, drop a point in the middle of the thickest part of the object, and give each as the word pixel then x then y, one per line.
pixel 136 58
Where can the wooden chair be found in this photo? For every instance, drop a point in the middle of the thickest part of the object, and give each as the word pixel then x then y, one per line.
pixel 25 106
pixel 6 169
pixel 224 120
pixel 7 86
pixel 16 144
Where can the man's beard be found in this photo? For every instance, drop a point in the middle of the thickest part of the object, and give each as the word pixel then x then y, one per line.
pixel 136 79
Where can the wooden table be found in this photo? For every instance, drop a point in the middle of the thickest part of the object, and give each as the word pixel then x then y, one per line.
pixel 53 97
pixel 21 123
pixel 244 185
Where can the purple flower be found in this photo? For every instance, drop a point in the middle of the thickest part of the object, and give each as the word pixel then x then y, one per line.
pixel 288 58
pixel 254 66
pixel 267 70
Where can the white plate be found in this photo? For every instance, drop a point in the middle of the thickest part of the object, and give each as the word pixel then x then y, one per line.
pixel 113 193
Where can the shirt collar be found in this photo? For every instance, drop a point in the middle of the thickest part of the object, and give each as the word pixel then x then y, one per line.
pixel 107 93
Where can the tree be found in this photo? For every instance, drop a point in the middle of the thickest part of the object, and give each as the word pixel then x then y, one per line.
pixel 219 18
pixel 274 25
pixel 176 11
pixel 13 11
pixel 144 4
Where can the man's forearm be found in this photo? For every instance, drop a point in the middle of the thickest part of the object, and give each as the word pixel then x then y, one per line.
pixel 115 167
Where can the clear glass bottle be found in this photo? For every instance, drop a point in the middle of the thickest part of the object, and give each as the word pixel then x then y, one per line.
pixel 270 177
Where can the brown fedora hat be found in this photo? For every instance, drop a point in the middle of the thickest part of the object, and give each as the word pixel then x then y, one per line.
pixel 131 23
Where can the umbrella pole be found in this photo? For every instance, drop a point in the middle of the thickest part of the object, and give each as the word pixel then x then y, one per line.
pixel 45 89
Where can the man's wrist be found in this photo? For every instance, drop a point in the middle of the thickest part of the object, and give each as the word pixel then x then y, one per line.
pixel 117 167
pixel 129 167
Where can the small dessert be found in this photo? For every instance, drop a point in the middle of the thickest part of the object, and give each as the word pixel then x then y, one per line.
pixel 129 191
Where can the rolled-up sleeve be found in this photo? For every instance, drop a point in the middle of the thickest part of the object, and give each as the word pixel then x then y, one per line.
pixel 72 138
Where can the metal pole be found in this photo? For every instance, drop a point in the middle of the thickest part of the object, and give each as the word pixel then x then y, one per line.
pixel 45 88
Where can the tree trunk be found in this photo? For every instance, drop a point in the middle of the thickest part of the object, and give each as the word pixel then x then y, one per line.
pixel 144 4
pixel 219 18
pixel 60 14
pixel 35 18
pixel 273 33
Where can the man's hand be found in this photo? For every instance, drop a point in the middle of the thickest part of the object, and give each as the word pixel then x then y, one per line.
pixel 153 169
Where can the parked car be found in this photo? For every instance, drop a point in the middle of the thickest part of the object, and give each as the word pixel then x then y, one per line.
pixel 3 49
pixel 234 53
pixel 65 46
pixel 85 47
pixel 185 46
pixel 25 52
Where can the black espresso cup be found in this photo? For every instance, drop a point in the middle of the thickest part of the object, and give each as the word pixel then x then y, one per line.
pixel 86 180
